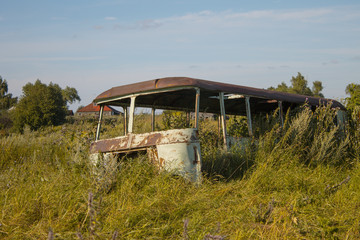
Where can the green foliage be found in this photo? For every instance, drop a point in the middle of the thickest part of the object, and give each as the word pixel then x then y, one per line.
pixel 312 138
pixel 353 130
pixel 174 120
pixel 354 100
pixel 5 122
pixel 299 85
pixel 70 95
pixel 6 99
pixel 41 105
pixel 317 88
pixel 238 127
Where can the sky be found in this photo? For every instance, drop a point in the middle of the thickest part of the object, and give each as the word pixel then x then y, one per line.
pixel 93 45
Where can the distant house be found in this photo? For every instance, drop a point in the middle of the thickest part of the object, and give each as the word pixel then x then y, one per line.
pixel 93 110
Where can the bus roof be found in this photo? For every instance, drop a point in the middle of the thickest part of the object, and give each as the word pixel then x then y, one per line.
pixel 209 89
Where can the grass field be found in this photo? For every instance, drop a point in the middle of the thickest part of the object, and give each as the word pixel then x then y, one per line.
pixel 300 181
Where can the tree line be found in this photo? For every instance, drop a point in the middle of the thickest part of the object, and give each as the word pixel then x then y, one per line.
pixel 40 105
pixel 45 105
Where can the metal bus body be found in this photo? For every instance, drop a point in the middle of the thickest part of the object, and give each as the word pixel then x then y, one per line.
pixel 179 150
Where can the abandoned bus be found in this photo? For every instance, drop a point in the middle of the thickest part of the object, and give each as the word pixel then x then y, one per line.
pixel 179 150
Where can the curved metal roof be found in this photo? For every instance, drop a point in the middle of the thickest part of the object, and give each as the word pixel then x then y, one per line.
pixel 211 88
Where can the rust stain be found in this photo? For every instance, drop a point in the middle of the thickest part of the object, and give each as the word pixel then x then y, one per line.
pixel 135 141
pixel 161 162
pixel 151 139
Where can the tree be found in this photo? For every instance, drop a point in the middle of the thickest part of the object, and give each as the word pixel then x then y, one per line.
pixel 354 100
pixel 42 105
pixel 317 88
pixel 70 95
pixel 299 85
pixel 6 100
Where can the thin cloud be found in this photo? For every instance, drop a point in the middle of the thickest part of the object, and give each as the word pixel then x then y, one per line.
pixel 302 15
pixel 98 27
pixel 149 23
pixel 140 25
pixel 356 58
pixel 194 66
pixel 110 18
pixel 331 62
pixel 58 18
pixel 231 19
pixel 49 59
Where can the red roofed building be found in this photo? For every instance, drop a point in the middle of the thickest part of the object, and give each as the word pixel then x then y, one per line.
pixel 93 109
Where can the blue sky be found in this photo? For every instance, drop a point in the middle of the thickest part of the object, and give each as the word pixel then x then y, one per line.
pixel 93 45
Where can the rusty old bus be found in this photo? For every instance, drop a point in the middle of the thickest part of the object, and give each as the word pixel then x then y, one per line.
pixel 179 149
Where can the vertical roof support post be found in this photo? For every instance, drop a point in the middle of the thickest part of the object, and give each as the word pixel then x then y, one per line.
pixel 97 137
pixel 281 113
pixel 341 118
pixel 197 106
pixel 152 119
pixel 248 114
pixel 131 115
pixel 219 124
pixel 223 119
pixel 125 119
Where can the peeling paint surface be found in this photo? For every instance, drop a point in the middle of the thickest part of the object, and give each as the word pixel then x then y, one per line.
pixel 176 150
pixel 182 159
pixel 144 140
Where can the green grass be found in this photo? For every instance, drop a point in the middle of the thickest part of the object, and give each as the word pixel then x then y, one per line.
pixel 298 182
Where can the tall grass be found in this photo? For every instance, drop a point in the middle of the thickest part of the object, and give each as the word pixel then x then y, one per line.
pixel 299 181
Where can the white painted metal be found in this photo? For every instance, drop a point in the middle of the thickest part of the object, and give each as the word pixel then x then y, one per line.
pixel 248 114
pixel 197 106
pixel 99 123
pixel 223 119
pixel 131 115
pixel 152 119
pixel 281 113
pixel 341 116
pixel 183 159
pixel 125 120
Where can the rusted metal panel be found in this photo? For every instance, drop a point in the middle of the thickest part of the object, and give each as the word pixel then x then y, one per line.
pixel 144 140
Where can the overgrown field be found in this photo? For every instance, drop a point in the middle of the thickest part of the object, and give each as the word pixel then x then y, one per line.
pixel 299 181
